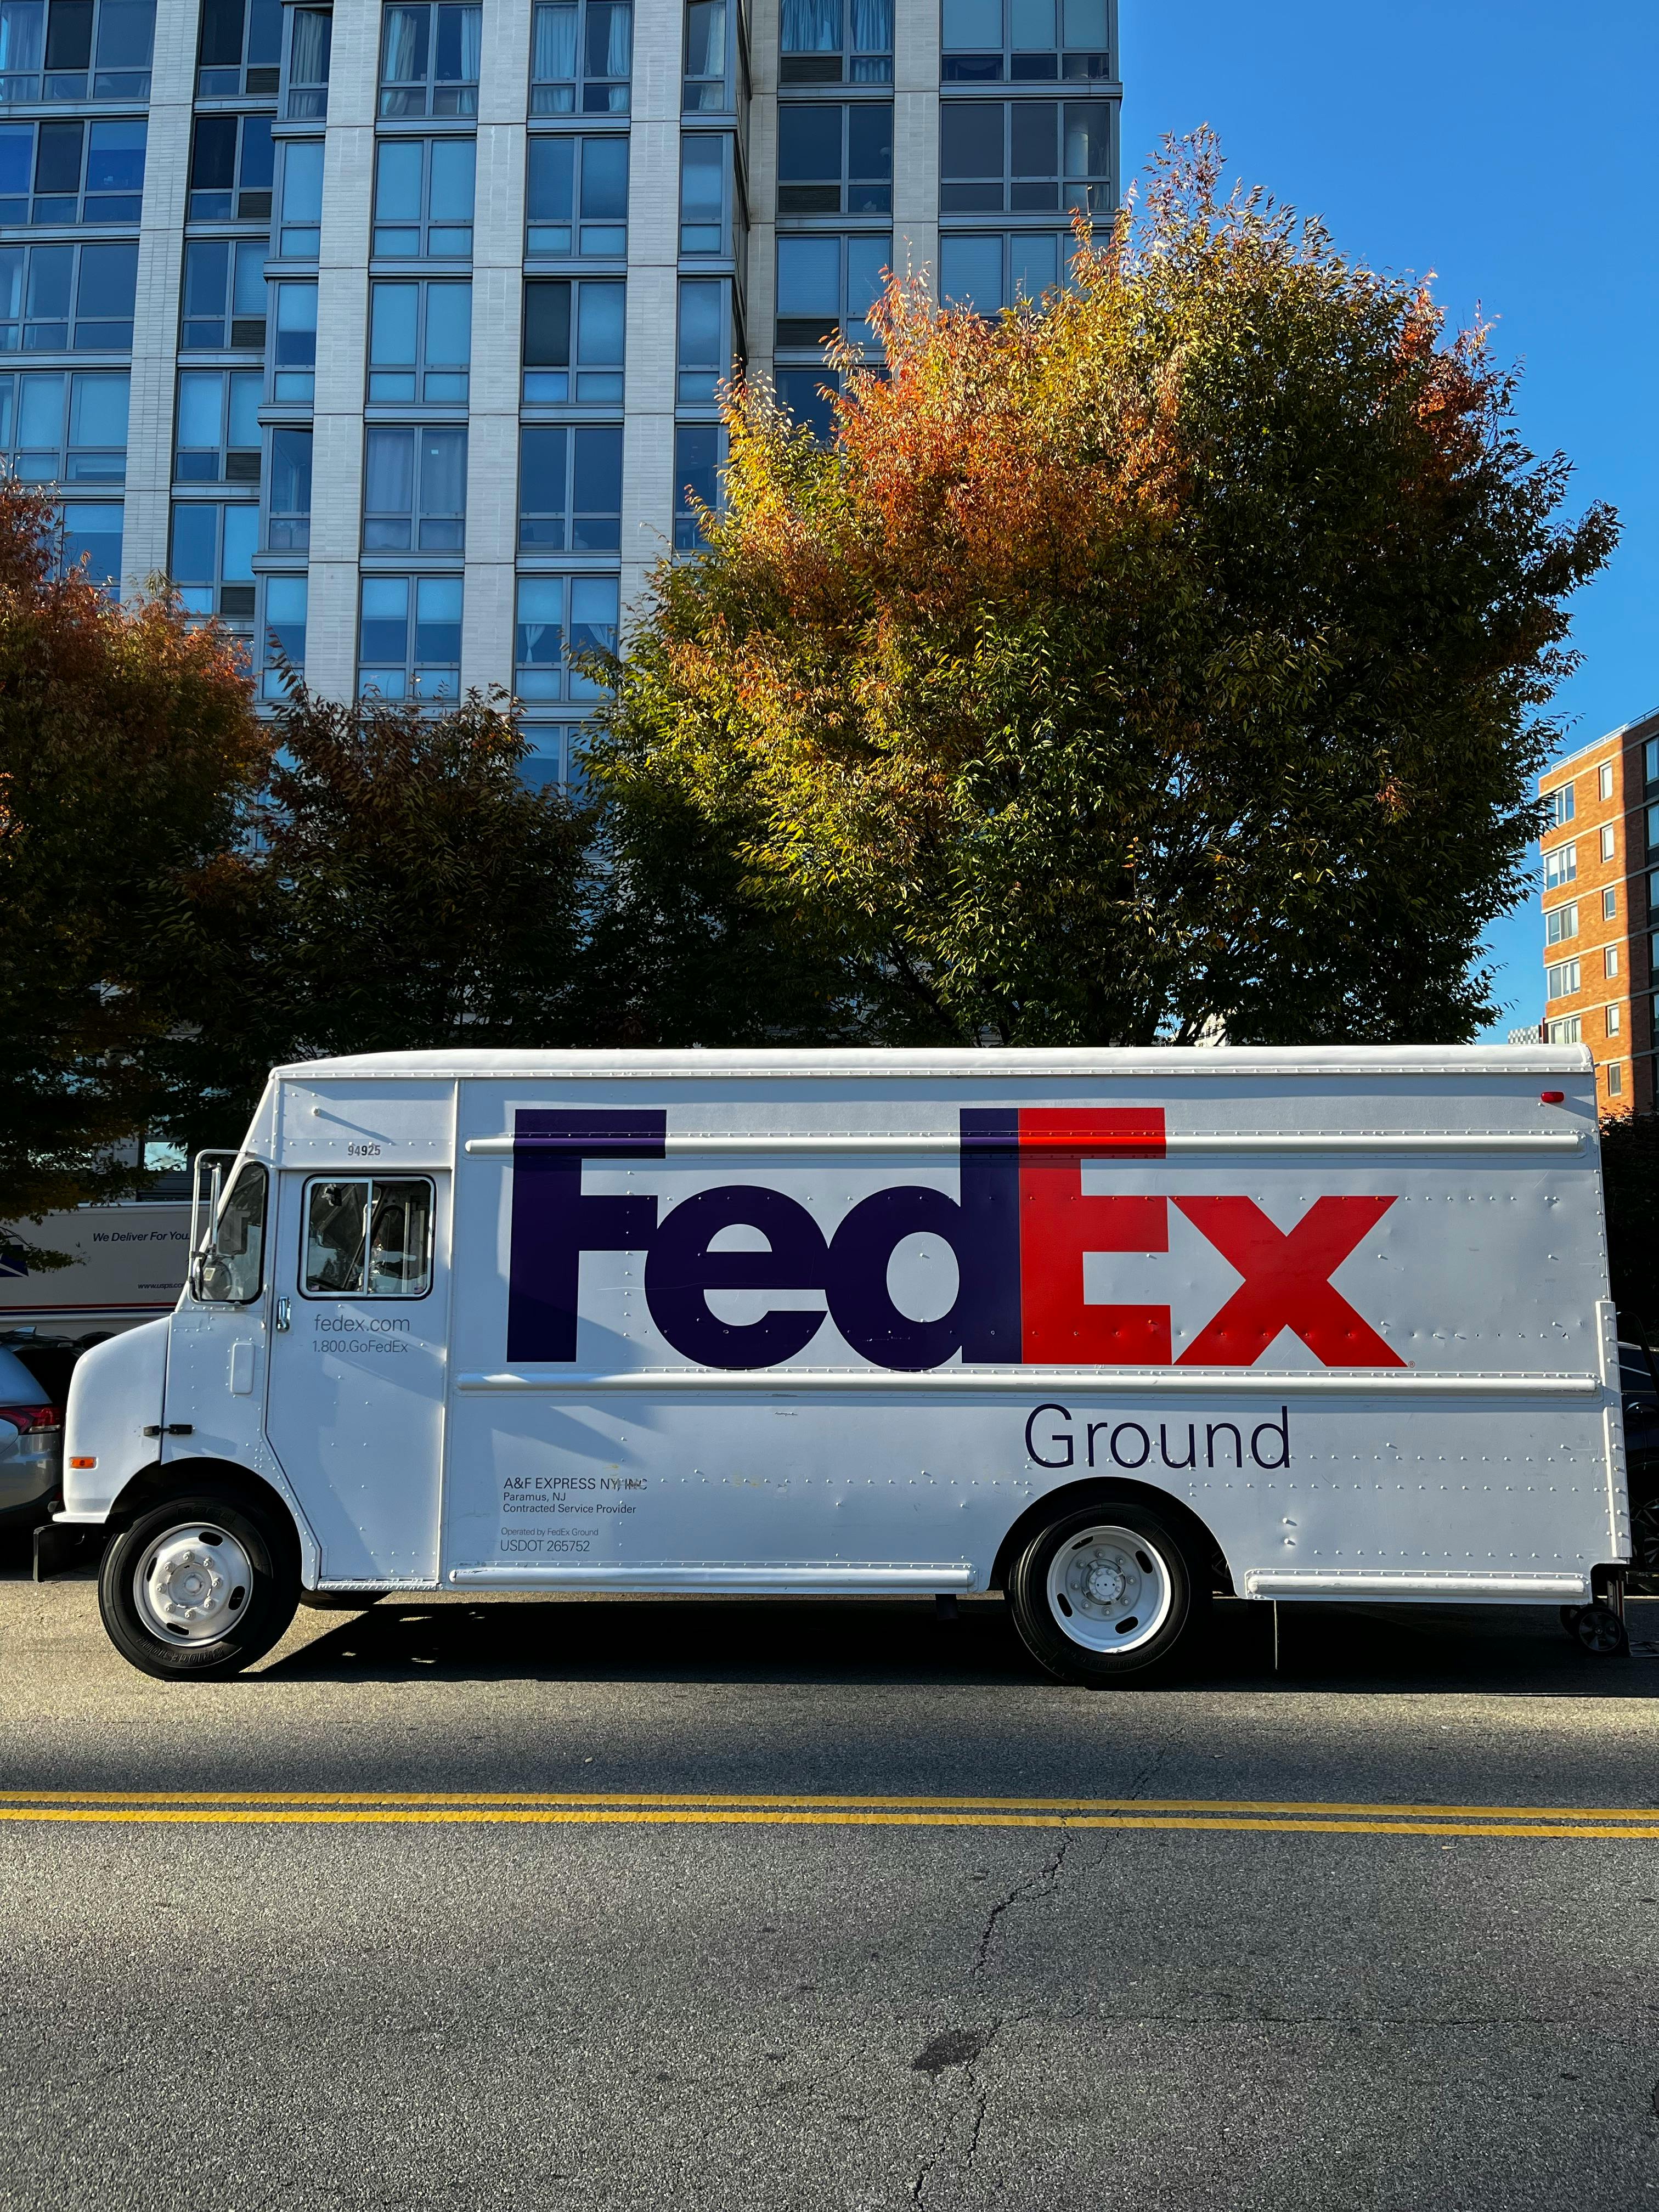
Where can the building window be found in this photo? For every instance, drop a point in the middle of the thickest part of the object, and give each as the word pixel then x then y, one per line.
pixel 1604 781
pixel 1559 806
pixel 109 45
pixel 1561 980
pixel 294 357
pixel 56 427
pixel 1569 1030
pixel 986 41
pixel 301 235
pixel 420 341
pixel 576 202
pixel 224 299
pixel 287 528
pixel 414 491
pixel 809 395
pixel 706 84
pixel 1615 1079
pixel 570 489
pixel 218 439
pixel 1609 906
pixel 988 270
pixel 284 633
pixel 424 198
pixel 706 349
pixel 231 167
pixel 580 57
pixel 429 60
pixel 64 172
pixel 827 283
pixel 1560 867
pixel 92 534
pixel 573 336
pixel 1607 841
pixel 1561 921
pixel 212 563
pixel 553 758
pixel 410 645
pixel 1653 827
pixel 1651 761
pixel 835 160
pixel 698 454
pixel 308 64
pixel 1610 961
pixel 578 613
pixel 706 192
pixel 240 49
pixel 837 42
pixel 1615 1016
pixel 50 295
pixel 1025 156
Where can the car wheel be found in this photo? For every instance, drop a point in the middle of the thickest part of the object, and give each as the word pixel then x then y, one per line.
pixel 1106 1593
pixel 203 1584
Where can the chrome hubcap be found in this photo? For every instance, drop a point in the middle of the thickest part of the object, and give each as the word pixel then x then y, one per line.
pixel 1108 1590
pixel 191 1584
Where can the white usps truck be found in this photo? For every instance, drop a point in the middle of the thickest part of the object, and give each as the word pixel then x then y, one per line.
pixel 1107 1330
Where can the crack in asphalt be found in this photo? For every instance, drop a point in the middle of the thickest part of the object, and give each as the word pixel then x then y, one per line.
pixel 981 2096
pixel 1032 1891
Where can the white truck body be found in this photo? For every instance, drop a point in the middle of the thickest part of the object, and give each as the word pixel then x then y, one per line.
pixel 127 1262
pixel 833 1322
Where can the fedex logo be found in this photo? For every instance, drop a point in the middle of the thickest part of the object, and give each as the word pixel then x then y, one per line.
pixel 1018 1229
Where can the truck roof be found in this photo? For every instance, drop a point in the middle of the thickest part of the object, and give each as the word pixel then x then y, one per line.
pixel 1072 1060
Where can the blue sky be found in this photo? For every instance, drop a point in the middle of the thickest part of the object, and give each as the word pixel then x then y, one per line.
pixel 1510 148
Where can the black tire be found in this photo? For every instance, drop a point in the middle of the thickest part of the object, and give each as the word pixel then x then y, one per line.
pixel 220 1525
pixel 339 1601
pixel 1162 1602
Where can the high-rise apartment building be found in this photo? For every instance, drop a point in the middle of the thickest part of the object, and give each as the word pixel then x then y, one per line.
pixel 393 332
pixel 1601 854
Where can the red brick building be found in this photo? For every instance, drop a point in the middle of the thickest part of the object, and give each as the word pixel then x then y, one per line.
pixel 1598 969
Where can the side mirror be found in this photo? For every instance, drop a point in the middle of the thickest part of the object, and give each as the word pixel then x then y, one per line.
pixel 211 1279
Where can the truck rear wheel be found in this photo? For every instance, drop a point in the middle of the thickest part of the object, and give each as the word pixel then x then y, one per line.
pixel 203 1584
pixel 1105 1593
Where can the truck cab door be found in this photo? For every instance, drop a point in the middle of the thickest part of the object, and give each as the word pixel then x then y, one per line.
pixel 355 1409
pixel 213 1399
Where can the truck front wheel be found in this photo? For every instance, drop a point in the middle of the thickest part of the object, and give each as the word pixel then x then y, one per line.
pixel 202 1584
pixel 1105 1593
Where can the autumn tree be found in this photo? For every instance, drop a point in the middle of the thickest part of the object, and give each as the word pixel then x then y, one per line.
pixel 400 889
pixel 1169 658
pixel 127 745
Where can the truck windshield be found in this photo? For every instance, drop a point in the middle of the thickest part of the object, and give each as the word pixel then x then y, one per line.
pixel 230 1269
pixel 370 1239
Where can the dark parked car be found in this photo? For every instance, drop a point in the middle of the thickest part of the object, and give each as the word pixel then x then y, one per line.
pixel 31 1444
pixel 35 1379
pixel 1639 1387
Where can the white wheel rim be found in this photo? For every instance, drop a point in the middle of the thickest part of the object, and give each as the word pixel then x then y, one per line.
pixel 1108 1588
pixel 193 1584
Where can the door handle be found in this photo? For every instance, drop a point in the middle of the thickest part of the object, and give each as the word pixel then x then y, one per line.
pixel 284 1316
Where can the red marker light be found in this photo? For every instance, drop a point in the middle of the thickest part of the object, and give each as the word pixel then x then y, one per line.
pixel 1552 1098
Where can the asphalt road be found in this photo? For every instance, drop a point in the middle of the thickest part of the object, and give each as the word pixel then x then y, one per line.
pixel 606 2002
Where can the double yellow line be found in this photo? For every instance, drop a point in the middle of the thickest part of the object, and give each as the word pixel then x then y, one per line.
pixel 704 1808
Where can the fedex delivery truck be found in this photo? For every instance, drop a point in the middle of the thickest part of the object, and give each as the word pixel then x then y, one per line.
pixel 1105 1330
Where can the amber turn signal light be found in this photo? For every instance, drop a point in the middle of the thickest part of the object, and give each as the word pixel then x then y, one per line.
pixel 83 1462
